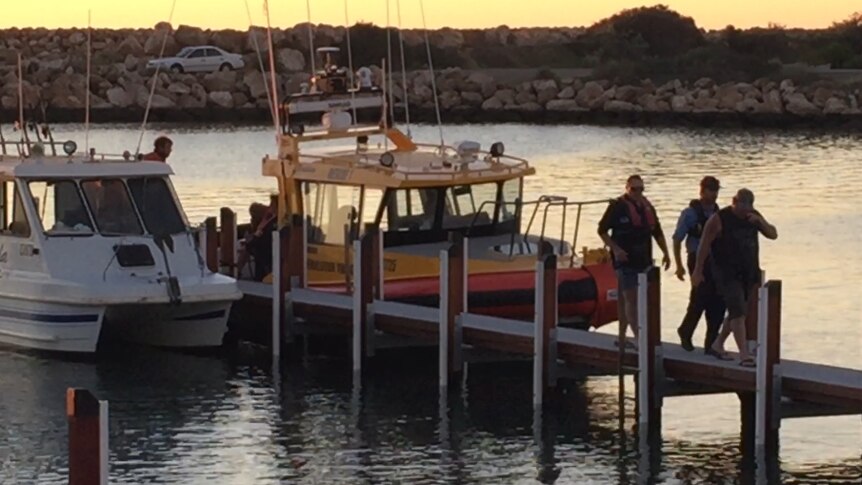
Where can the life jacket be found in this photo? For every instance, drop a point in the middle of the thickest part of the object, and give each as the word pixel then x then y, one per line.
pixel 697 230
pixel 642 215
pixel 735 252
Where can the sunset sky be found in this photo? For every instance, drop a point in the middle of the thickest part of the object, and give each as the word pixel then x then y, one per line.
pixel 439 13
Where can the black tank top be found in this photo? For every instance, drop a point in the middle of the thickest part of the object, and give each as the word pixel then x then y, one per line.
pixel 735 252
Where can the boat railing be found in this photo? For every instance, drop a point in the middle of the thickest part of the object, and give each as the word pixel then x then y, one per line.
pixel 545 203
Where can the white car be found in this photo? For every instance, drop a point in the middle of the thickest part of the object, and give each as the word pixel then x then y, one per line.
pixel 203 58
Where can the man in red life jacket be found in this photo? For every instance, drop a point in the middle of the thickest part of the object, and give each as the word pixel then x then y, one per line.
pixel 627 228
pixel 161 150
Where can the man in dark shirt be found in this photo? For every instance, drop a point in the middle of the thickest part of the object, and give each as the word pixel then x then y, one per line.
pixel 730 237
pixel 703 297
pixel 627 227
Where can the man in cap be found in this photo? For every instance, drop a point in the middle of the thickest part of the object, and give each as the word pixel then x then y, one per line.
pixel 730 237
pixel 703 297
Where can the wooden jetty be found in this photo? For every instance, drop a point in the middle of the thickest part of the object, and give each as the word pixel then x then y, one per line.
pixel 775 389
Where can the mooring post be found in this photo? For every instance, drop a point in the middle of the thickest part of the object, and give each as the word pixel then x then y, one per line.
pixel 363 276
pixel 227 241
pixel 545 322
pixel 211 248
pixel 451 307
pixel 466 274
pixel 650 368
pixel 752 324
pixel 443 323
pixel 277 293
pixel 296 253
pixel 768 401
pixel 88 438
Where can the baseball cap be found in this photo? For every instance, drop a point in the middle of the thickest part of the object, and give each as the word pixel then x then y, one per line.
pixel 710 182
pixel 745 198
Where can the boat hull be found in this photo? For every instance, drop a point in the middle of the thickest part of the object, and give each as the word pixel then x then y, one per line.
pixel 187 325
pixel 49 326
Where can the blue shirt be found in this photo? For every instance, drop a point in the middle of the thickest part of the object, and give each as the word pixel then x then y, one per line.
pixel 687 221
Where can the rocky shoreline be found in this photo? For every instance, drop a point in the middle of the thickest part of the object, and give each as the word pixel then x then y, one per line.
pixel 54 82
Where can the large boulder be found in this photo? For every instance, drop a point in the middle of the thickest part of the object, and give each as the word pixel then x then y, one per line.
pixel 222 99
pixel 472 99
pixel 290 60
pixel 220 81
pixel 179 88
pixel 821 96
pixel 163 102
pixel 506 96
pixel 256 84
pixel 119 97
pixel 546 90
pixel 529 107
pixel 704 83
pixel 617 106
pixel 131 63
pixel 728 97
pixel 705 105
pixel 589 94
pixel 188 101
pixel 190 36
pixel 130 46
pixel 772 102
pixel 564 105
pixel 153 45
pixel 229 40
pixel 628 94
pixel 834 106
pixel 492 103
pixel 748 105
pixel 679 104
pixel 449 100
pixel 799 105
pixel 567 92
pixel 487 84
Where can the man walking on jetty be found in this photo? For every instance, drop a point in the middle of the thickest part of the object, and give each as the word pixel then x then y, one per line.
pixel 730 237
pixel 627 227
pixel 703 297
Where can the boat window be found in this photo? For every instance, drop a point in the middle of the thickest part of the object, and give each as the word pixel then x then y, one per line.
pixel 370 207
pixel 511 193
pixel 60 209
pixel 470 204
pixel 112 208
pixel 157 205
pixel 412 209
pixel 330 209
pixel 14 218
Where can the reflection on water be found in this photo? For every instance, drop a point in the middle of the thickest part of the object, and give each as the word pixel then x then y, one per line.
pixel 194 419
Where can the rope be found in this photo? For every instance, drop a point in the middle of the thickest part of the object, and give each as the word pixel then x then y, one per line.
pixel 403 70
pixel 153 86
pixel 431 69
pixel 87 89
pixel 269 101
pixel 389 62
pixel 350 64
pixel 310 38
pixel 275 119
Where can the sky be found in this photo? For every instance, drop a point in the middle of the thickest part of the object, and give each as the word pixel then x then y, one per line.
pixel 217 14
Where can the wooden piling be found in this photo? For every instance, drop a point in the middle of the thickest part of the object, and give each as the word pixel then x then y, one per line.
pixel 545 322
pixel 768 380
pixel 88 438
pixel 650 371
pixel 363 295
pixel 451 307
pixel 278 291
pixel 211 248
pixel 227 241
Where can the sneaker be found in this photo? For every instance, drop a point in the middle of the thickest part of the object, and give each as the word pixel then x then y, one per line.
pixel 685 341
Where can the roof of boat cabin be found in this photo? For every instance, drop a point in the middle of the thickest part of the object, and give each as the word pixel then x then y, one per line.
pixel 50 167
pixel 414 165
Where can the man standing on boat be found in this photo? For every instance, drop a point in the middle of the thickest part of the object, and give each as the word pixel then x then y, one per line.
pixel 627 227
pixel 161 150
pixel 703 297
pixel 730 237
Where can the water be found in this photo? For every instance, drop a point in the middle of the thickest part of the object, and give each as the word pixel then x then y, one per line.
pixel 207 419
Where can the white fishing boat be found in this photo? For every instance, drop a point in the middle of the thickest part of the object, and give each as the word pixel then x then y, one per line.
pixel 96 248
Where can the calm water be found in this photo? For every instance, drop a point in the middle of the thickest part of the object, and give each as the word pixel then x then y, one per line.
pixel 193 419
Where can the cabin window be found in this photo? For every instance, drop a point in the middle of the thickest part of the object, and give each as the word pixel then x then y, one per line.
pixel 59 208
pixel 511 194
pixel 14 221
pixel 468 205
pixel 412 209
pixel 330 209
pixel 370 207
pixel 111 206
pixel 157 205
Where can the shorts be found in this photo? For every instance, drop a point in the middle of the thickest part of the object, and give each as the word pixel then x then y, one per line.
pixel 735 295
pixel 627 278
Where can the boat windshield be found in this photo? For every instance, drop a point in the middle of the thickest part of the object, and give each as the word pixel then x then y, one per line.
pixel 157 205
pixel 60 209
pixel 112 207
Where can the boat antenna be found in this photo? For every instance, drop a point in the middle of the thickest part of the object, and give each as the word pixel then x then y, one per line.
pixel 385 108
pixel 274 86
pixel 389 61
pixel 153 83
pixel 87 89
pixel 431 70
pixel 352 88
pixel 24 145
pixel 403 70
pixel 310 37
pixel 260 62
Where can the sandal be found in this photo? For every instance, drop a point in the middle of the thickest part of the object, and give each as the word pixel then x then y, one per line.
pixel 718 355
pixel 747 362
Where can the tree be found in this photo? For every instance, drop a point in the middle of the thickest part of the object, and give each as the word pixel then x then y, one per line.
pixel 664 31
